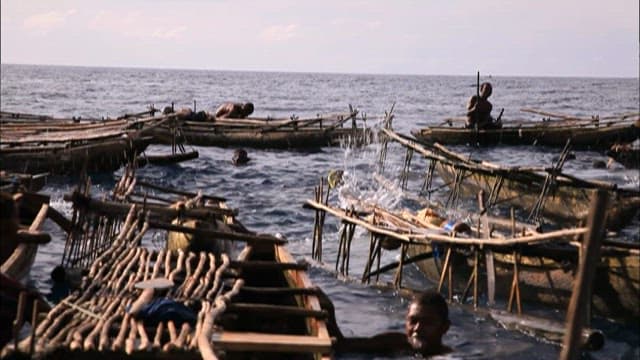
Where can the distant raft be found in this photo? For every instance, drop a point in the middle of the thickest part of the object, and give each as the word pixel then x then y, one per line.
pixel 33 144
pixel 265 133
pixel 596 133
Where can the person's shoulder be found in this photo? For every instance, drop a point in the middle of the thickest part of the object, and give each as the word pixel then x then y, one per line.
pixel 389 342
pixel 391 337
pixel 225 105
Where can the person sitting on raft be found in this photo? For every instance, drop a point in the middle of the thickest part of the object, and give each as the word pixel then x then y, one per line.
pixel 479 110
pixel 426 322
pixel 234 110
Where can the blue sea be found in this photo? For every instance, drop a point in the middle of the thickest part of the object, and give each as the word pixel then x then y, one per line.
pixel 271 190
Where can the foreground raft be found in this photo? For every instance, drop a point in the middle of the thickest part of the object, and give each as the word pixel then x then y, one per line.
pixel 584 133
pixel 230 306
pixel 293 132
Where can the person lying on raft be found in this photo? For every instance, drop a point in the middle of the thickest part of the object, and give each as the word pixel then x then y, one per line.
pixel 234 110
pixel 426 322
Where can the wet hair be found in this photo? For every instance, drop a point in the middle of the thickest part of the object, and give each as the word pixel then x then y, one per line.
pixel 486 88
pixel 247 108
pixel 240 157
pixel 434 300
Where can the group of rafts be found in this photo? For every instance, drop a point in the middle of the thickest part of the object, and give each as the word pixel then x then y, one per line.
pixel 226 305
pixel 248 296
pixel 33 143
pixel 492 258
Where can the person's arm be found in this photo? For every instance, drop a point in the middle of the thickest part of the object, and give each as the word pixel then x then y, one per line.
pixel 223 110
pixel 381 343
pixel 471 105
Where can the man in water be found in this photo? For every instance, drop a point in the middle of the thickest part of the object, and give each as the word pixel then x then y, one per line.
pixel 240 157
pixel 479 110
pixel 426 322
pixel 234 110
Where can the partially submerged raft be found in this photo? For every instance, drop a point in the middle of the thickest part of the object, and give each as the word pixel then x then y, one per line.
pixel 69 146
pixel 526 267
pixel 285 133
pixel 548 192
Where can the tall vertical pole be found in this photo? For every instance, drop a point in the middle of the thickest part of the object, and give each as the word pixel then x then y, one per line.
pixel 581 296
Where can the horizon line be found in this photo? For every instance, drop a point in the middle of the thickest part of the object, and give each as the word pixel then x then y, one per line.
pixel 317 72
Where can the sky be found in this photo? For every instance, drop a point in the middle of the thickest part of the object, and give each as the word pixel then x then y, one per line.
pixel 591 38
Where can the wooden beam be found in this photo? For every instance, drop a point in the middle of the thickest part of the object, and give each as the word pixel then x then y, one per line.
pixel 267 265
pixel 225 235
pixel 275 310
pixel 246 341
pixel 279 290
pixel 408 261
pixel 117 208
pixel 581 297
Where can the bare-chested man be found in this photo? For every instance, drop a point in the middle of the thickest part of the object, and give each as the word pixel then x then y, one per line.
pixel 426 322
pixel 234 110
pixel 479 110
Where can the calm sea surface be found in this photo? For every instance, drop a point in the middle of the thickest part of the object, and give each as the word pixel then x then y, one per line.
pixel 270 191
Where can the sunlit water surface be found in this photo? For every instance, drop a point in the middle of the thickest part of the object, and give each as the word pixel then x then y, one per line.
pixel 270 191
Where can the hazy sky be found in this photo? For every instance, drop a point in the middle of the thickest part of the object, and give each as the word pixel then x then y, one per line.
pixel 455 37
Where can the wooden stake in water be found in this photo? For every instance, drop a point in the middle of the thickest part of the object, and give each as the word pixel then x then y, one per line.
pixel 576 314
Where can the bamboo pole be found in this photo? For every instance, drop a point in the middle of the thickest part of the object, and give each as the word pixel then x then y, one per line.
pixel 476 260
pixel 395 264
pixel 113 208
pixel 421 238
pixel 588 261
pixel 489 263
pixel 179 192
pixel 445 267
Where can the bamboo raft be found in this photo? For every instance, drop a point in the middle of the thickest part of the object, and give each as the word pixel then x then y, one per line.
pixel 293 132
pixel 595 133
pixel 238 302
pixel 68 146
pixel 518 264
pixel 544 192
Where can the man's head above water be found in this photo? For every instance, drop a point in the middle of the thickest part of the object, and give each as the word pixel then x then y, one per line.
pixel 426 322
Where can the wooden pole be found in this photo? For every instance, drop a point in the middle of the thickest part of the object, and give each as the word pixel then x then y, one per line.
pixel 488 254
pixel 19 320
pixel 587 267
pixel 445 267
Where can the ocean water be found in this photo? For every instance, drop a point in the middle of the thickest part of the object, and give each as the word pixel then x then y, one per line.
pixel 270 191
